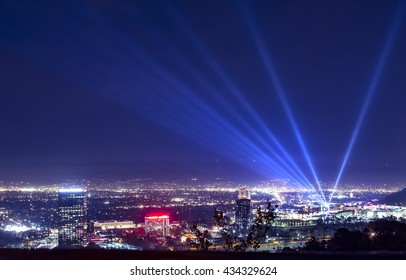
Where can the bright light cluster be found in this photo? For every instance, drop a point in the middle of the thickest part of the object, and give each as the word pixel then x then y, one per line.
pixel 205 104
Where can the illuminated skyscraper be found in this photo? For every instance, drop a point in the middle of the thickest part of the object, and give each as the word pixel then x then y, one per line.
pixel 72 214
pixel 157 226
pixel 244 208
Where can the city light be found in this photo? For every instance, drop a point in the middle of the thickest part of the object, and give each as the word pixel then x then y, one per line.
pixel 76 190
pixel 202 128
pixel 157 217
pixel 117 224
pixel 17 228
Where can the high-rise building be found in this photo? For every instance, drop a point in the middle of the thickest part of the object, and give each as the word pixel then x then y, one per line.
pixel 157 226
pixel 243 210
pixel 72 217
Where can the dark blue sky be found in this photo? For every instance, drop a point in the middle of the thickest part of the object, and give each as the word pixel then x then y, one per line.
pixel 137 88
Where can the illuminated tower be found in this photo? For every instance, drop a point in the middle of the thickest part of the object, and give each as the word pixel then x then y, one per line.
pixel 72 213
pixel 243 211
pixel 157 226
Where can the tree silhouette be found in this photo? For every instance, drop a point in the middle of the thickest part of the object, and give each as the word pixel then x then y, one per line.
pixel 314 245
pixel 203 242
pixel 346 240
pixel 383 234
pixel 256 235
pixel 387 234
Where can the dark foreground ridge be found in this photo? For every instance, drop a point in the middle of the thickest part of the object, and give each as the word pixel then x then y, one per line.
pixel 95 254
pixel 396 198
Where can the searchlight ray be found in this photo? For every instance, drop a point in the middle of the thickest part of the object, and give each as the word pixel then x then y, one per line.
pixel 267 63
pixel 233 89
pixel 376 77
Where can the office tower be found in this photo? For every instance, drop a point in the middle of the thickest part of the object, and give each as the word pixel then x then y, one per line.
pixel 157 226
pixel 72 217
pixel 243 210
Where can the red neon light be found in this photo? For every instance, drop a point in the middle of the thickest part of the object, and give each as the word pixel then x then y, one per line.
pixel 157 217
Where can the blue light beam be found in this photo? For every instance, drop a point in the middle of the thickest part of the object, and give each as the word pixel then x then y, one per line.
pixel 213 64
pixel 192 117
pixel 267 63
pixel 236 114
pixel 377 75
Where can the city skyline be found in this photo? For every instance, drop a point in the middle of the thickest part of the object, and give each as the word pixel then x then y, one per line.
pixel 141 215
pixel 202 89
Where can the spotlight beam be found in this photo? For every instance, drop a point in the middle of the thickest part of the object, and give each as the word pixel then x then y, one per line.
pixel 376 77
pixel 115 79
pixel 208 111
pixel 149 61
pixel 159 72
pixel 214 93
pixel 267 63
pixel 234 90
pixel 188 95
pixel 228 147
pixel 216 122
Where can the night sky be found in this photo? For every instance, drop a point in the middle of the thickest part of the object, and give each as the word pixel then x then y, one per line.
pixel 175 89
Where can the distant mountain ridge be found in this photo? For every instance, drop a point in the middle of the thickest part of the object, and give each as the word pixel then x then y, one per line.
pixel 395 198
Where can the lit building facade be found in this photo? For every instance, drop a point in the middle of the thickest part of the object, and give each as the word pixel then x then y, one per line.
pixel 243 210
pixel 114 225
pixel 157 226
pixel 72 217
